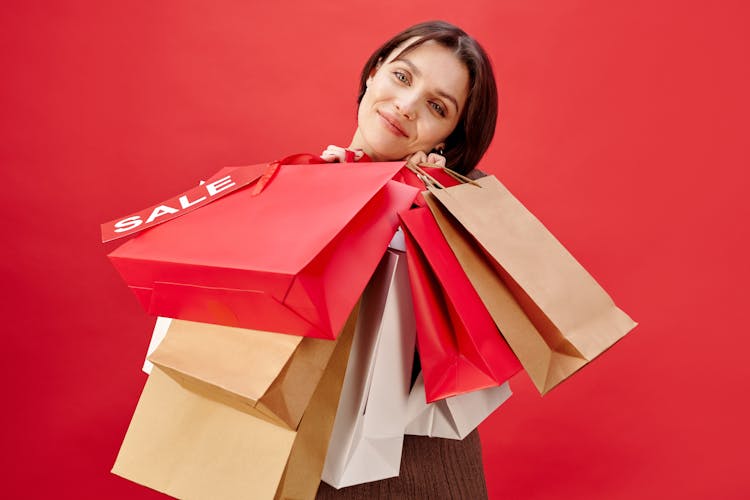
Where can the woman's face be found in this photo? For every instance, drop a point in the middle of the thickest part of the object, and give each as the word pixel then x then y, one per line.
pixel 412 102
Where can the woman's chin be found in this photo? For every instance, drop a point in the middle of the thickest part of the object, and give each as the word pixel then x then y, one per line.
pixel 385 151
pixel 387 157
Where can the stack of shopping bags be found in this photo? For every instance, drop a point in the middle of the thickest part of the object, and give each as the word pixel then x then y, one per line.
pixel 550 310
pixel 235 413
pixel 289 316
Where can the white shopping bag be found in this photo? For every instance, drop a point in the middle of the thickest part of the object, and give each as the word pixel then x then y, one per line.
pixel 160 331
pixel 454 417
pixel 368 433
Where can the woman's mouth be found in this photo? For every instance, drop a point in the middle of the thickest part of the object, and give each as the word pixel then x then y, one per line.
pixel 392 124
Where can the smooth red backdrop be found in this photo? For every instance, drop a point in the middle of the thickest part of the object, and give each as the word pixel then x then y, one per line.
pixel 623 126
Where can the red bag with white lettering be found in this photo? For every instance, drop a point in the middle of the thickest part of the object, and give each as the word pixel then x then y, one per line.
pixel 293 258
pixel 460 348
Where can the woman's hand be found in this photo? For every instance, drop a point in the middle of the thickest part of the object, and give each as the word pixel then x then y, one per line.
pixel 422 157
pixel 336 154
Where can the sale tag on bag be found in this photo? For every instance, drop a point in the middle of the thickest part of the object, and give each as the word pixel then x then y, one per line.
pixel 224 182
pixel 181 204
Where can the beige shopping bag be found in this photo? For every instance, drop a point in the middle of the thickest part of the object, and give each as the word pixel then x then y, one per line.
pixel 552 312
pixel 273 374
pixel 453 417
pixel 192 439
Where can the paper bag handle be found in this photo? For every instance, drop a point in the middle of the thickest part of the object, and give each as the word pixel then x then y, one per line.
pixel 431 181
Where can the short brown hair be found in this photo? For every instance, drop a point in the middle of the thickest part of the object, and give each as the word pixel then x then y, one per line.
pixel 466 145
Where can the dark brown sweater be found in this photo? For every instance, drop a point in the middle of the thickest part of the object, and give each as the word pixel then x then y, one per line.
pixel 431 468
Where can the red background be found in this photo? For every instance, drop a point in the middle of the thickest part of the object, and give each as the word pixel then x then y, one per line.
pixel 622 126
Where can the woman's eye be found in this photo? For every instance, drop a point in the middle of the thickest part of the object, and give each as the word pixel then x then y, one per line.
pixel 401 77
pixel 438 108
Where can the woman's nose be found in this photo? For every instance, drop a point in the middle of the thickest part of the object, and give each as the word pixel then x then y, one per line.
pixel 406 105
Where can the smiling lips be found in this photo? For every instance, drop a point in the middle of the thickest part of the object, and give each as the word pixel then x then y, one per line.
pixel 392 123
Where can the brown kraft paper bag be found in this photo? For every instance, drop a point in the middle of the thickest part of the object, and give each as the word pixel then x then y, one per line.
pixel 190 438
pixel 275 374
pixel 551 311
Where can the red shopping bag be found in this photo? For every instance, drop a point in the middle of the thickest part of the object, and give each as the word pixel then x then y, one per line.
pixel 293 259
pixel 460 347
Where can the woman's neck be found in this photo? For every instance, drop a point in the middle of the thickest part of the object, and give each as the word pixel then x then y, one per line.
pixel 358 142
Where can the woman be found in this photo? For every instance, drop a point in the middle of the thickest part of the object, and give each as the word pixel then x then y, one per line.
pixel 427 94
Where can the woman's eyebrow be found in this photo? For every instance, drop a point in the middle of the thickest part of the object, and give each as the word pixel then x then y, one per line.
pixel 415 71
